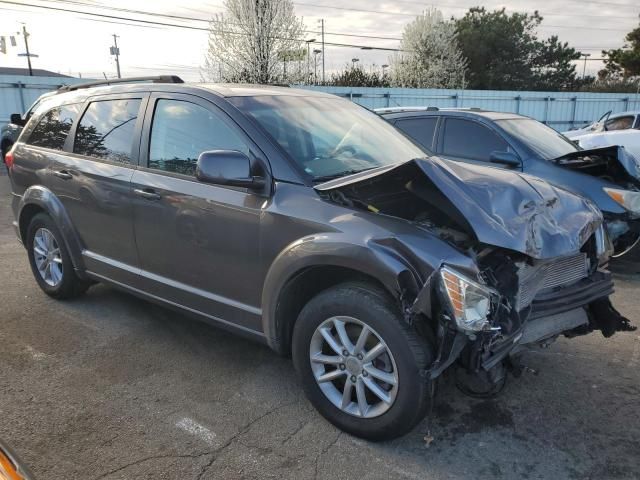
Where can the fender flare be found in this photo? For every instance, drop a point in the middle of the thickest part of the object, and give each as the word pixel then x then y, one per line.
pixel 51 204
pixel 332 250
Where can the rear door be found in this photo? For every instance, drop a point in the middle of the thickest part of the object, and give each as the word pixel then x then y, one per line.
pixel 420 129
pixel 198 243
pixel 93 182
pixel 470 141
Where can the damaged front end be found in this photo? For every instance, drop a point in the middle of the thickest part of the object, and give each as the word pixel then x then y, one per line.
pixel 616 166
pixel 540 257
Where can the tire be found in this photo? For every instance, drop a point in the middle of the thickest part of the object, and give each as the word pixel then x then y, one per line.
pixel 66 285
pixel 409 354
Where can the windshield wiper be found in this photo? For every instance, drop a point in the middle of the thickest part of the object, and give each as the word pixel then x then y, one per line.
pixel 333 176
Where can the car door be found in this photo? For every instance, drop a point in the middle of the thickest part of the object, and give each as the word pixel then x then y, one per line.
pixel 92 180
pixel 470 141
pixel 420 129
pixel 198 243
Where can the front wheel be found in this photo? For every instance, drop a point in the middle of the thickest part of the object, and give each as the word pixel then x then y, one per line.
pixel 359 362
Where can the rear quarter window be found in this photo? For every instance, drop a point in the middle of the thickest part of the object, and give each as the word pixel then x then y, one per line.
pixel 53 127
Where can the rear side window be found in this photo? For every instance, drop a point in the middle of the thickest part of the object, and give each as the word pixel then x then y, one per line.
pixel 467 139
pixel 54 126
pixel 619 123
pixel 182 130
pixel 419 129
pixel 106 130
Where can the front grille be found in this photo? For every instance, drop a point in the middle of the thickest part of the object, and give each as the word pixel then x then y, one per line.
pixel 533 279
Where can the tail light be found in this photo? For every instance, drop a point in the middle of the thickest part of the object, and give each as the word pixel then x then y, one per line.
pixel 8 159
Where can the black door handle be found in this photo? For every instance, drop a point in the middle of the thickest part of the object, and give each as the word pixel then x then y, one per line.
pixel 63 174
pixel 147 193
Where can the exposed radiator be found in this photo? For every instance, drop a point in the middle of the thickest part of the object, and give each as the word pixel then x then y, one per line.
pixel 535 278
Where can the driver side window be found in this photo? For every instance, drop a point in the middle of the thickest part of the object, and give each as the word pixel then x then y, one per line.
pixel 181 131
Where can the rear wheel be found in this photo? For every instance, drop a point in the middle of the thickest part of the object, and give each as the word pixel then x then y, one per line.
pixel 50 261
pixel 360 364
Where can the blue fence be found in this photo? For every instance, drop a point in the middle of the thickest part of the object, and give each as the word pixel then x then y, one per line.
pixel 560 110
pixel 17 93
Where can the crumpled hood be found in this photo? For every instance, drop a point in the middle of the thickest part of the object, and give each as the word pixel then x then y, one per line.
pixel 616 153
pixel 502 208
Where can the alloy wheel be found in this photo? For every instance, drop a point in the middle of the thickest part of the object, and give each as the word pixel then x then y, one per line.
pixel 47 256
pixel 354 367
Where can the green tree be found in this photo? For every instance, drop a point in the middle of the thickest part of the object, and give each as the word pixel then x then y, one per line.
pixel 504 52
pixel 357 77
pixel 623 62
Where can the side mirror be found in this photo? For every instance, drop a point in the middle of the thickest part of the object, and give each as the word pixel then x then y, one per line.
pixel 227 167
pixel 508 159
pixel 16 119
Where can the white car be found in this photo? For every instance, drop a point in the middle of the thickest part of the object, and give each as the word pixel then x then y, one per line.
pixel 611 129
pixel 608 123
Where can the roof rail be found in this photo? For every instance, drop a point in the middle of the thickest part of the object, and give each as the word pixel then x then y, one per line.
pixel 113 81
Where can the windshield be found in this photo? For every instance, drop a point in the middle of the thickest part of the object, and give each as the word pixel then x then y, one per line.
pixel 543 140
pixel 329 137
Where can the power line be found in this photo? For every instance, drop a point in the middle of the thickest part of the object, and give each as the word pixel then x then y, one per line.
pixel 193 27
pixel 190 27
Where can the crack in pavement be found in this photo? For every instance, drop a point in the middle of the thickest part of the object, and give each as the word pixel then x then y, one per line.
pixel 149 458
pixel 239 434
pixel 322 452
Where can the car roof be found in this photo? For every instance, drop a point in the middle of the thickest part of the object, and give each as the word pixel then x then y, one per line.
pixel 77 93
pixel 624 114
pixel 407 112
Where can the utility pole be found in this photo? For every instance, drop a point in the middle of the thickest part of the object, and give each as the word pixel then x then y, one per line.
pixel 116 52
pixel 25 34
pixel 322 26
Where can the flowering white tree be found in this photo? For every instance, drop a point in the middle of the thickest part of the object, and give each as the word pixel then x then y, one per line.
pixel 431 57
pixel 255 41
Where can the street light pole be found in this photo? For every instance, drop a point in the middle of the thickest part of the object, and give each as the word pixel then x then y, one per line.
pixel 309 42
pixel 315 65
pixel 322 25
pixel 584 67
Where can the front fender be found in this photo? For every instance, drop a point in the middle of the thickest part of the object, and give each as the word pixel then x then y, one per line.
pixel 46 200
pixel 392 261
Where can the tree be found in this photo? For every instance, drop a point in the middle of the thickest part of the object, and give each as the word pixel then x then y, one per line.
pixel 504 52
pixel 355 76
pixel 623 62
pixel 431 57
pixel 254 41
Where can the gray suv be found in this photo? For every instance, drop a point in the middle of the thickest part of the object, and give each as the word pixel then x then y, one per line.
pixel 308 223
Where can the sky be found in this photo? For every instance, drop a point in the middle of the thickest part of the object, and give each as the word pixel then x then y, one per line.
pixel 77 44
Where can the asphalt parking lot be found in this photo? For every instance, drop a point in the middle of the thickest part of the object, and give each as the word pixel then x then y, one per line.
pixel 111 387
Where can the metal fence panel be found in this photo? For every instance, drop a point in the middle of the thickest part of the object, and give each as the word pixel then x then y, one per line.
pixel 17 93
pixel 560 110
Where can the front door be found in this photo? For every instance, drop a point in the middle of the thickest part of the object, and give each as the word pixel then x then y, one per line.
pixel 470 141
pixel 198 244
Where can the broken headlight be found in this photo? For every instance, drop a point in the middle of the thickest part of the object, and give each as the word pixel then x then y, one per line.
pixel 469 301
pixel 628 199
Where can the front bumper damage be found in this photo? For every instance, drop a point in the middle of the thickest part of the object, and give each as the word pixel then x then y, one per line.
pixel 576 310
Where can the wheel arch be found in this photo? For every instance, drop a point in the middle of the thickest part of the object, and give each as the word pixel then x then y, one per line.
pixel 307 268
pixel 38 199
